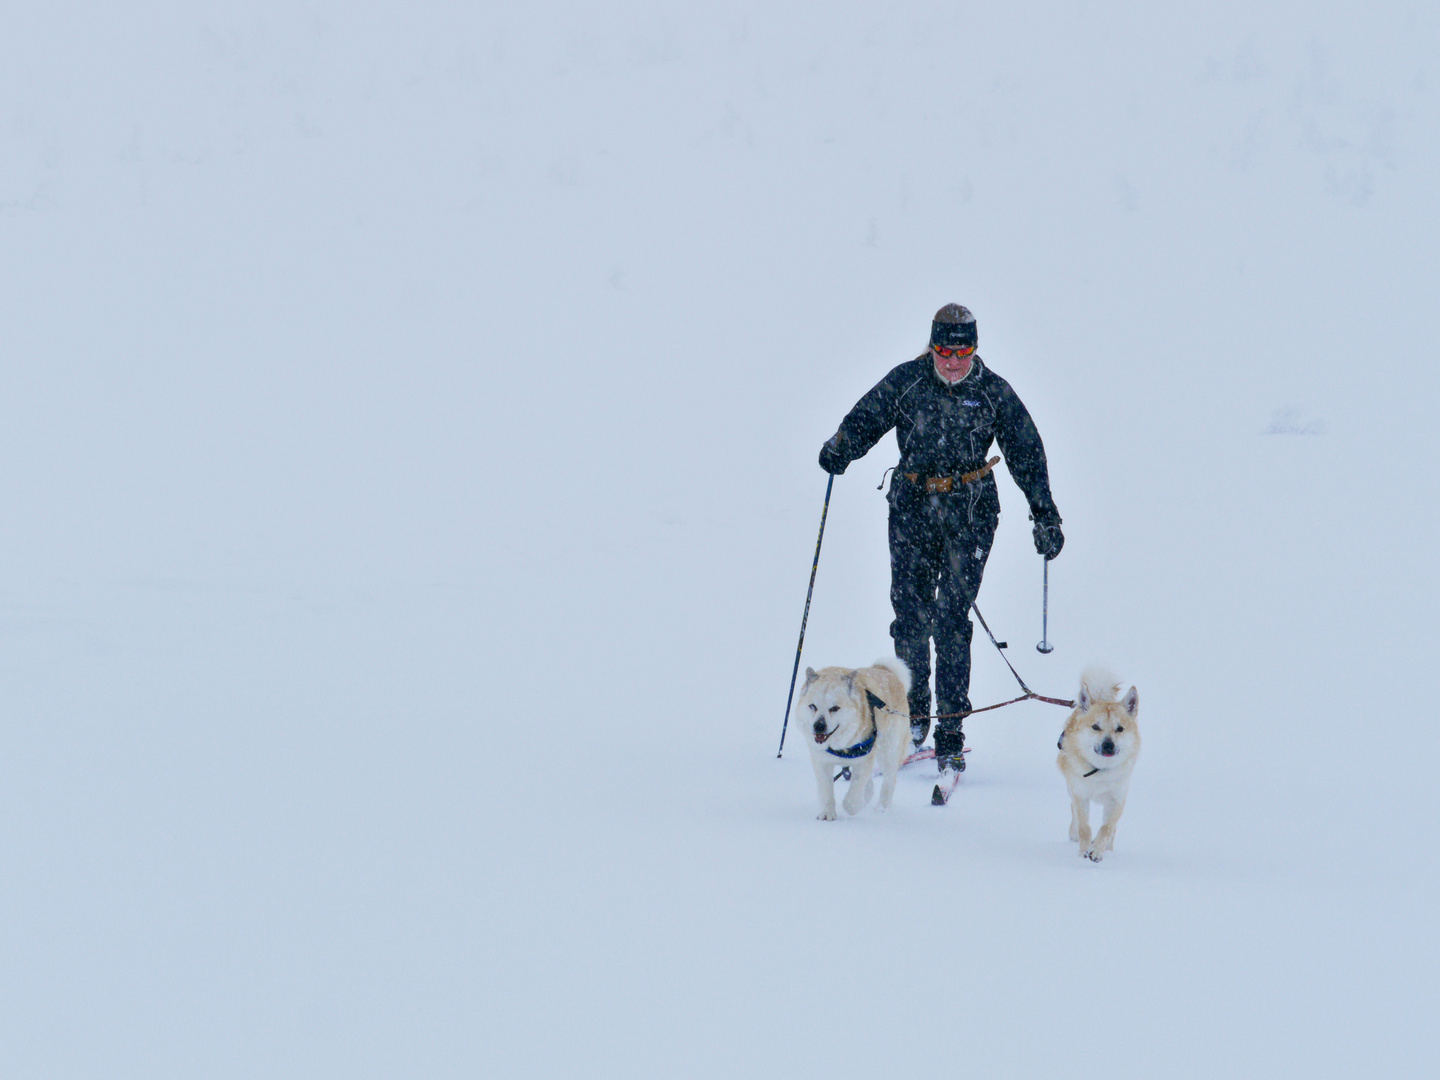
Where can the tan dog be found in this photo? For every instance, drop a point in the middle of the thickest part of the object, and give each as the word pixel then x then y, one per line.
pixel 861 719
pixel 1097 754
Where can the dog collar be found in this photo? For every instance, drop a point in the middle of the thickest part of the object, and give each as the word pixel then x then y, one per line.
pixel 860 749
pixel 1060 745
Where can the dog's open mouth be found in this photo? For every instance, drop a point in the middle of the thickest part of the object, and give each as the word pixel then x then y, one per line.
pixel 823 736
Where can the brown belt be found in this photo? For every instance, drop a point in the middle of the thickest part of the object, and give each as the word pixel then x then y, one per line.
pixel 943 484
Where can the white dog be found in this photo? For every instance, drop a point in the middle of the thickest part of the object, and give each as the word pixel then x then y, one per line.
pixel 1098 749
pixel 858 718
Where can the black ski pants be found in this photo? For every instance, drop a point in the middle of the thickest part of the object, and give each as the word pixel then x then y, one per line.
pixel 938 547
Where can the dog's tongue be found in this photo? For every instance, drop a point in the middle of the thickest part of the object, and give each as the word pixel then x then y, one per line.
pixel 821 736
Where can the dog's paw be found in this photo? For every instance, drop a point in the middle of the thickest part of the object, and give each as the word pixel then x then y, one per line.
pixel 1094 854
pixel 825 815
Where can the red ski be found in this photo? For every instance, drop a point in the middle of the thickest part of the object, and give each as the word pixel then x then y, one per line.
pixel 949 781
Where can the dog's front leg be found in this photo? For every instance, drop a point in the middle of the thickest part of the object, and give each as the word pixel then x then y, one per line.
pixel 1105 838
pixel 887 785
pixel 824 787
pixel 860 789
pixel 1080 820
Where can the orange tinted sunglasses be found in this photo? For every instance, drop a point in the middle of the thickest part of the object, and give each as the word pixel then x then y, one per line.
pixel 942 350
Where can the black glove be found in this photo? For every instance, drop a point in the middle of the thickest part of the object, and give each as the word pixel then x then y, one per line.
pixel 831 460
pixel 1048 537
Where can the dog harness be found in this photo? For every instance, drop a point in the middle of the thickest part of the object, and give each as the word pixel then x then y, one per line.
pixel 1060 745
pixel 860 749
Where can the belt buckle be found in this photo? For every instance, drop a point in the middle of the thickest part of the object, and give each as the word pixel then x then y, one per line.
pixel 941 484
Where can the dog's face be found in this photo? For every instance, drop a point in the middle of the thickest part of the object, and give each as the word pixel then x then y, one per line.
pixel 831 706
pixel 1105 733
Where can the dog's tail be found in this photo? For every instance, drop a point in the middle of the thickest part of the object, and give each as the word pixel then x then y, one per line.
pixel 1099 684
pixel 896 666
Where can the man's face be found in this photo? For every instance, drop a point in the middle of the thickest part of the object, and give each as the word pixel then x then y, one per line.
pixel 952 365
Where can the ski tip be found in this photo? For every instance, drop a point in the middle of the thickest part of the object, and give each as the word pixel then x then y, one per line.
pixel 949 781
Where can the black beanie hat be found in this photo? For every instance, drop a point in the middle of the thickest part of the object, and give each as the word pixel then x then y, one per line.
pixel 954 327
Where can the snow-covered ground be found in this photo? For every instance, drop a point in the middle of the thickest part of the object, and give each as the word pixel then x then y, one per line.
pixel 409 421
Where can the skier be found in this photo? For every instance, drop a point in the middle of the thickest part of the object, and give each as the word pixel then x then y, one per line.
pixel 947 408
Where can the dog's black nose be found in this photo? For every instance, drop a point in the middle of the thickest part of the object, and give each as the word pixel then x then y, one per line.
pixel 819 727
pixel 1108 747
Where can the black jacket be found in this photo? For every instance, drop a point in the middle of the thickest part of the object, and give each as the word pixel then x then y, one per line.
pixel 946 430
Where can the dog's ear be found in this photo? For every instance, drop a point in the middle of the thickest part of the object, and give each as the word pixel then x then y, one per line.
pixel 1083 701
pixel 1132 703
pixel 875 702
pixel 850 682
pixel 810 675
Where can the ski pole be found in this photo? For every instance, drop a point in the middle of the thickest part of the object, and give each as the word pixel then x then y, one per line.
pixel 806 617
pixel 1045 646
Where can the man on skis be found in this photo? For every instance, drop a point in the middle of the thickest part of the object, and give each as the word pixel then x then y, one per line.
pixel 947 408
